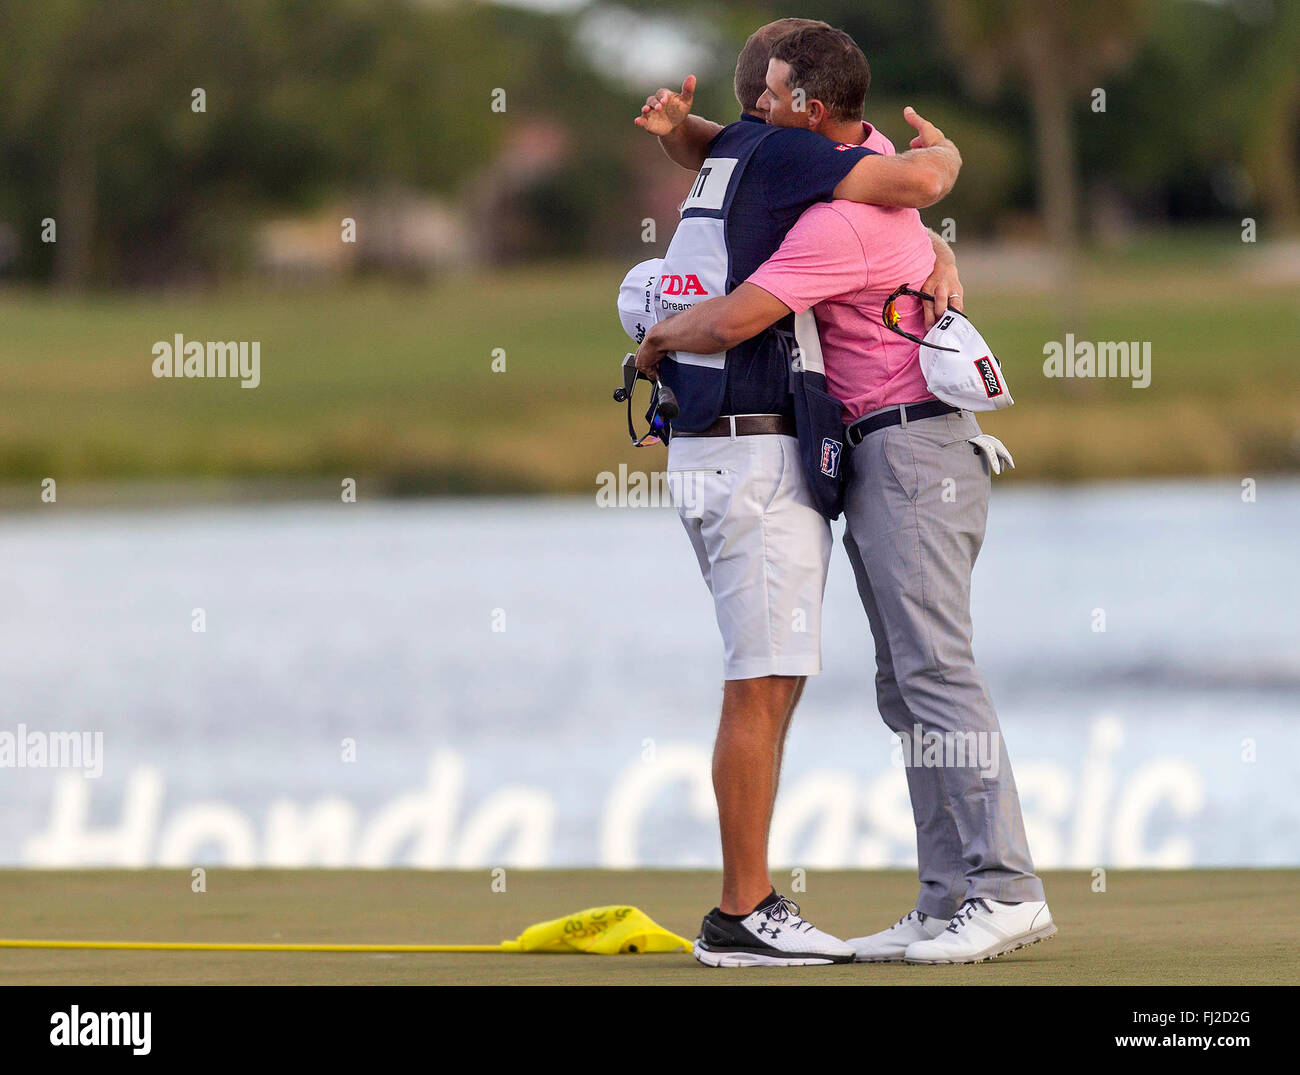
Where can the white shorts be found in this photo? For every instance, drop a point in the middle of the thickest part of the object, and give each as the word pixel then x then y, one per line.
pixel 762 546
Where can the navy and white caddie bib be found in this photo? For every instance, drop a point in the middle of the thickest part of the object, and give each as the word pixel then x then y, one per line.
pixel 697 266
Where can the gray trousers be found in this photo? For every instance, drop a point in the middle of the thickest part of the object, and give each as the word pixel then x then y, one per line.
pixel 917 502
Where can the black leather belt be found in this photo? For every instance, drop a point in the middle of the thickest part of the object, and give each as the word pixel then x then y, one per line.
pixel 863 427
pixel 747 425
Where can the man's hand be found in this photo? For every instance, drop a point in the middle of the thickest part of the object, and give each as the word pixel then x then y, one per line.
pixel 685 138
pixel 942 283
pixel 927 134
pixel 913 180
pixel 664 111
pixel 650 354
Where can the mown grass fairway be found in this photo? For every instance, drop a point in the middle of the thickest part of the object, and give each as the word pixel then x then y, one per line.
pixel 395 383
pixel 1212 927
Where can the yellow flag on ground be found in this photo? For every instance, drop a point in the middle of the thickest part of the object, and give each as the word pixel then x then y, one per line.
pixel 602 931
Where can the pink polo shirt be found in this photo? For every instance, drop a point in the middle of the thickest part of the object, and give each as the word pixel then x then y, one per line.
pixel 843 259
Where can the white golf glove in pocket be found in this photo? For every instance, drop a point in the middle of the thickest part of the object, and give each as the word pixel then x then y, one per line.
pixel 994 451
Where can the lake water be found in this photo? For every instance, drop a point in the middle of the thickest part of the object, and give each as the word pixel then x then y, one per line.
pixel 536 682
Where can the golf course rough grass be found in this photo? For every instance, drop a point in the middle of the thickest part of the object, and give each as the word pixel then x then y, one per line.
pixel 500 382
pixel 1149 927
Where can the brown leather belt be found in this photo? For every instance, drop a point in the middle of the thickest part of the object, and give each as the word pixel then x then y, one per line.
pixel 747 425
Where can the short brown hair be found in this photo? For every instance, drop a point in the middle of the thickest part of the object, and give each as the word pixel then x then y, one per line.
pixel 828 66
pixel 751 64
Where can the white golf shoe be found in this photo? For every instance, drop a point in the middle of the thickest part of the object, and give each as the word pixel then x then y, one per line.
pixel 774 935
pixel 888 945
pixel 982 929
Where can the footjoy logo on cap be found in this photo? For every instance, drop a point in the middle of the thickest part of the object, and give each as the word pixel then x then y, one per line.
pixel 831 449
pixel 991 384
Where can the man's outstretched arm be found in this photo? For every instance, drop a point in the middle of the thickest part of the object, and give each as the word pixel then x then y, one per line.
pixel 912 180
pixel 710 327
pixel 684 137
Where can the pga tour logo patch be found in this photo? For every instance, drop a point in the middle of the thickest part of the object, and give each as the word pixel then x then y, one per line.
pixel 831 449
pixel 992 386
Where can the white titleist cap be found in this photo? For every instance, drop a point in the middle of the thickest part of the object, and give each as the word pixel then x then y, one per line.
pixel 968 375
pixel 636 298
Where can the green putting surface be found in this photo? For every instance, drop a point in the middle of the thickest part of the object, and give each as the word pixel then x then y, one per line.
pixel 1205 927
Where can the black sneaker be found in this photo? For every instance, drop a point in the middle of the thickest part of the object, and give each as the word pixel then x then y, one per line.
pixel 773 935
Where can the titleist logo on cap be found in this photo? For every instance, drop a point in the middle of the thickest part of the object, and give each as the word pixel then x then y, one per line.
pixel 991 383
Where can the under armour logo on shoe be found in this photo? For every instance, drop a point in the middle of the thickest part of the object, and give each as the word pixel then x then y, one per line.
pixel 770 932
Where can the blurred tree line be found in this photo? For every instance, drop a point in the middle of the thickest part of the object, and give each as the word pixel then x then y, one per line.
pixel 304 100
pixel 1201 117
pixel 311 100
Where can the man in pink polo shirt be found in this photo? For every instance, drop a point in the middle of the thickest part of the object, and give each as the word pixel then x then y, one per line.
pixel 844 264
pixel 916 506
